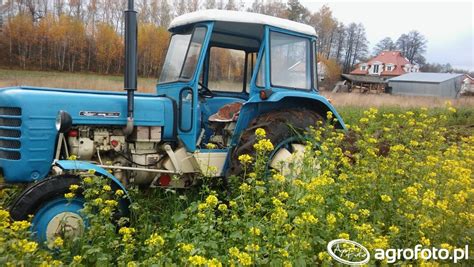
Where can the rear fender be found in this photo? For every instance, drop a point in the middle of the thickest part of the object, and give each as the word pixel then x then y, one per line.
pixel 284 100
pixel 74 165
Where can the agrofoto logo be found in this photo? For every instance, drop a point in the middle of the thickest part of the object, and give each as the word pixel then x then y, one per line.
pixel 352 253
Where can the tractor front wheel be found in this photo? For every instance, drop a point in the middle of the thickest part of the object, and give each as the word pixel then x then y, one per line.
pixel 54 215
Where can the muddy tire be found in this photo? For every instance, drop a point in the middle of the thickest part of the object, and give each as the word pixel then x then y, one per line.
pixel 279 126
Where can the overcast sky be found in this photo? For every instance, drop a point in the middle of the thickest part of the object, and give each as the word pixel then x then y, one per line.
pixel 448 26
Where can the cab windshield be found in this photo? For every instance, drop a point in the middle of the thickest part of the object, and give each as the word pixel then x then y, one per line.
pixel 183 55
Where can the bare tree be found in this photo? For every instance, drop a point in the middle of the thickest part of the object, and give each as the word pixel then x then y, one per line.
pixel 412 46
pixel 386 44
pixel 210 4
pixel 297 12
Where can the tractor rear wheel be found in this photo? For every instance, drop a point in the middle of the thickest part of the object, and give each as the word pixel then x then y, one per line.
pixel 283 128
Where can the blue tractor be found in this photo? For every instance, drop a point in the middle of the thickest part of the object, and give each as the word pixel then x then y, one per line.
pixel 225 74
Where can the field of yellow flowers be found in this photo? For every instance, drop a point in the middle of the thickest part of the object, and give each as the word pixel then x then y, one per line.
pixel 396 179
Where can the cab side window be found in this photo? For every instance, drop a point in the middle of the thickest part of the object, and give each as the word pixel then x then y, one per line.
pixel 289 60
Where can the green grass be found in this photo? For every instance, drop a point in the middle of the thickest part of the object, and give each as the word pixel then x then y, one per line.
pixel 91 81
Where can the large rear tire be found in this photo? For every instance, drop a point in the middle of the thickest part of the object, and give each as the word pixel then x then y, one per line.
pixel 280 126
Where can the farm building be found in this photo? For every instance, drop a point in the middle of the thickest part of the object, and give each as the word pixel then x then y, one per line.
pixel 427 84
pixel 386 64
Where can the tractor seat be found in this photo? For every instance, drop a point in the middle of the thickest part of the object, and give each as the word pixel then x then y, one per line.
pixel 227 113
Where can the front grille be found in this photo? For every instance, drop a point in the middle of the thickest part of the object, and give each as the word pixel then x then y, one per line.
pixel 10 122
pixel 11 155
pixel 10 143
pixel 10 133
pixel 10 111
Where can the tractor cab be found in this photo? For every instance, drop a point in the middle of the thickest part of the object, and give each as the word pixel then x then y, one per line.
pixel 219 61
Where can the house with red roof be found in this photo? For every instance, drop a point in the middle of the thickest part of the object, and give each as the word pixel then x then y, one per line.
pixel 386 64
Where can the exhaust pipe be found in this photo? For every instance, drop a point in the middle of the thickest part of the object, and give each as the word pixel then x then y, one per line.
pixel 130 81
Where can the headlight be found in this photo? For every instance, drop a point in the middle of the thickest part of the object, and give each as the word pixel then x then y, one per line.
pixel 63 121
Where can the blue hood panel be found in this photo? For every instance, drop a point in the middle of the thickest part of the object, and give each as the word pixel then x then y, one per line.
pixel 37 134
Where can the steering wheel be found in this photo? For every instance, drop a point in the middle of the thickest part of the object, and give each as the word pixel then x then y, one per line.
pixel 204 91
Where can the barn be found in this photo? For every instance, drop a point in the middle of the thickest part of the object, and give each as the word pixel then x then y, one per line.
pixel 427 84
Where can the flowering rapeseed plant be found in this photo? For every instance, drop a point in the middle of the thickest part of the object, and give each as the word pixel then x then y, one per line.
pixel 396 179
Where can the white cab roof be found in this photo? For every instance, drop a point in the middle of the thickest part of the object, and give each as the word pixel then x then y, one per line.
pixel 240 17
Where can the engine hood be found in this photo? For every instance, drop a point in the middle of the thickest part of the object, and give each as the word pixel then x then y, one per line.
pixel 27 122
pixel 88 107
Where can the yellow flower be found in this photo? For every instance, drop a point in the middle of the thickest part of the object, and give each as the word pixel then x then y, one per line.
pixel 425 241
pixel 73 187
pixel 111 203
pixel 386 198
pixel 126 233
pixel 233 251
pixel 263 145
pixel 446 246
pixel 119 193
pixel 69 195
pixel 364 212
pixel 214 263
pixel 187 247
pixel 244 187
pixel 106 188
pixel 278 177
pixel 98 201
pixel 344 236
pixel 88 180
pixel 354 217
pixel 331 219
pixel 254 231
pixel 197 260
pixel 394 229
pixel 222 207
pixel 58 242
pixel 77 258
pixel 283 195
pixel 252 248
pixel 260 133
pixel 244 259
pixel 211 146
pixel 154 240
pixel 309 218
pixel 284 253
pixel 245 159
pixel 212 200
pixel 28 246
pixel 19 225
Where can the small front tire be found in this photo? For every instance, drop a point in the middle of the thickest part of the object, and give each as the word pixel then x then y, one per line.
pixel 54 215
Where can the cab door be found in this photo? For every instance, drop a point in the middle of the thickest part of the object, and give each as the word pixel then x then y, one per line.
pixel 179 79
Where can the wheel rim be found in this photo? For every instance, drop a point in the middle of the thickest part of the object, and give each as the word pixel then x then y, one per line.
pixel 59 217
pixel 287 155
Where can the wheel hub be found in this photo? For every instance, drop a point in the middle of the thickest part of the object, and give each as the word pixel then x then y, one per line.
pixel 288 157
pixel 64 224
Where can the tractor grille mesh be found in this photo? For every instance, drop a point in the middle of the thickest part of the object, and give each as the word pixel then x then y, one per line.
pixel 11 155
pixel 10 133
pixel 10 122
pixel 10 143
pixel 10 111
